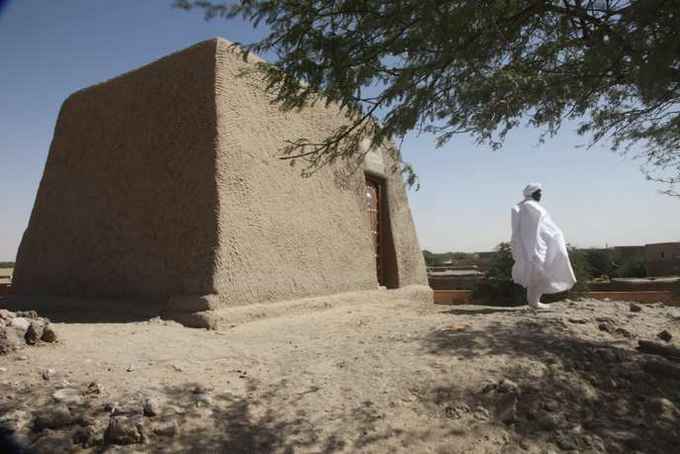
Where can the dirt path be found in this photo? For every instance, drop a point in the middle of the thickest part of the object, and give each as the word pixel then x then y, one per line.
pixel 377 377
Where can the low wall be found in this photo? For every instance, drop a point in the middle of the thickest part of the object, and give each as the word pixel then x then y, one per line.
pixel 650 296
pixel 632 286
pixel 453 282
pixel 453 297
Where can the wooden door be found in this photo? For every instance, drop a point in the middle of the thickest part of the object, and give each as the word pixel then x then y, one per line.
pixel 374 203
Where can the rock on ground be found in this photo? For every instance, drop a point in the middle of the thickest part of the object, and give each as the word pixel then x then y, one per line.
pixel 55 417
pixel 18 329
pixel 124 430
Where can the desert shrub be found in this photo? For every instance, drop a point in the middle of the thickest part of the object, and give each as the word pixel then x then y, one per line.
pixel 600 262
pixel 500 267
pixel 496 292
pixel 582 271
pixel 497 287
pixel 632 268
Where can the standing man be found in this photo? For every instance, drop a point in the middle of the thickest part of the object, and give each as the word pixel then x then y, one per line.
pixel 541 260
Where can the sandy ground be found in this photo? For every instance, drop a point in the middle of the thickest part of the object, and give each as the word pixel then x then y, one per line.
pixel 376 377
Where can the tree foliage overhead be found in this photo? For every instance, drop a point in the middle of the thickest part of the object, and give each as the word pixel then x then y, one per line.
pixel 479 67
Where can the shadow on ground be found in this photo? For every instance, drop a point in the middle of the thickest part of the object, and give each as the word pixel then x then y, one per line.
pixel 193 419
pixel 476 310
pixel 71 310
pixel 589 396
pixel 555 390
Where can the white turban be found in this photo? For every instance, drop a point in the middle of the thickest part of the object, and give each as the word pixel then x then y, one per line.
pixel 531 188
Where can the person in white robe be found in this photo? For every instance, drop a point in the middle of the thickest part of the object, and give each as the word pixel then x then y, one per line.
pixel 541 259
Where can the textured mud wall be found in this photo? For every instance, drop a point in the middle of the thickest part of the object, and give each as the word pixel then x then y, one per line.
pixel 282 236
pixel 127 203
pixel 410 261
pixel 166 182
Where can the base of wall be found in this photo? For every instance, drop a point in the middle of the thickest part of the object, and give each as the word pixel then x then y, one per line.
pixel 85 310
pixel 200 311
pixel 455 297
pixel 450 297
pixel 225 317
pixel 649 296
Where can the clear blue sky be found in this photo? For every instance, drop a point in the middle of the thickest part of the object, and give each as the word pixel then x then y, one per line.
pixel 49 49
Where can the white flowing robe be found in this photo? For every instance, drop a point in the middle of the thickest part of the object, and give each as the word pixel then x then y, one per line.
pixel 540 252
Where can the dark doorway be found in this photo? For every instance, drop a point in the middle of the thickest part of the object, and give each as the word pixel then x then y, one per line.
pixel 381 232
pixel 373 199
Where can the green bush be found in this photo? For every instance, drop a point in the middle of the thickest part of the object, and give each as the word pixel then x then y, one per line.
pixel 500 267
pixel 499 293
pixel 600 262
pixel 579 262
pixel 497 287
pixel 632 268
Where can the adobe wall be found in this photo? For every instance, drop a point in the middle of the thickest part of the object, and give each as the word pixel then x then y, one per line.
pixel 662 259
pixel 282 236
pixel 410 261
pixel 127 203
pixel 165 184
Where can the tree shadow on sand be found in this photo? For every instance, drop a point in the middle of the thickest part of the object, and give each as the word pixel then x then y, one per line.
pixel 486 310
pixel 193 419
pixel 590 395
pixel 85 310
pixel 264 421
pixel 235 424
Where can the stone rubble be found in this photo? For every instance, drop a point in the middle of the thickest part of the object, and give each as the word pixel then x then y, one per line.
pixel 124 430
pixel 18 329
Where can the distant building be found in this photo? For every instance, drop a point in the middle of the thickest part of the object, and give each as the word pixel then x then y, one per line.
pixel 662 259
